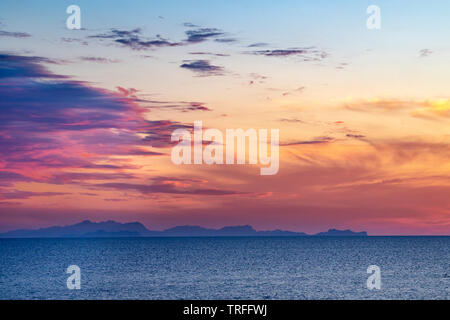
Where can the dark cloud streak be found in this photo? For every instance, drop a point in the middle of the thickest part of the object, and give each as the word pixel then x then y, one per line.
pixel 134 40
pixel 14 34
pixel 306 54
pixel 203 67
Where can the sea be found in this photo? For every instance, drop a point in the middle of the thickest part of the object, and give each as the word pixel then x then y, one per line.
pixel 226 268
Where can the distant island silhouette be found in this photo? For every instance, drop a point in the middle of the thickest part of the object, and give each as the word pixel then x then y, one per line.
pixel 107 229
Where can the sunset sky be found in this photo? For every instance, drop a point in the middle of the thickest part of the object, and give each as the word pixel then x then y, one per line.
pixel 86 115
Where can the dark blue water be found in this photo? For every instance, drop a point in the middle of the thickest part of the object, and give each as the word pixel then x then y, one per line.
pixel 226 268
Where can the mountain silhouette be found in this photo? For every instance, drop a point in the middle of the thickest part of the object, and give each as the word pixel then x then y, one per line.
pixel 110 228
pixel 338 233
pixel 84 228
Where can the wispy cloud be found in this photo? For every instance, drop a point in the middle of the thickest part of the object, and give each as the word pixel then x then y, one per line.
pixel 318 140
pixel 297 90
pixel 18 194
pixel 133 39
pixel 226 40
pixel 306 54
pixel 291 120
pixel 209 54
pixel 355 136
pixel 75 40
pixel 258 45
pixel 203 67
pixel 203 34
pixel 98 59
pixel 165 188
pixel 183 106
pixel 433 109
pixel 425 53
pixel 190 25
pixel 14 34
pixel 7 178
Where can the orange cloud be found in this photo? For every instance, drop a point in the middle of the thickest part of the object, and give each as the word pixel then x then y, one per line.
pixel 429 109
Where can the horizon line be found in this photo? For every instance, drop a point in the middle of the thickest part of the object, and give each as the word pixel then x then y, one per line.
pixel 219 228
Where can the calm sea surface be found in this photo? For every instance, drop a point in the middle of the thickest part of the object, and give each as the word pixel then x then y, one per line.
pixel 226 268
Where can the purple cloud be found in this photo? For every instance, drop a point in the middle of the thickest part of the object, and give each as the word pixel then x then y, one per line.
pixel 164 188
pixel 14 66
pixel 49 121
